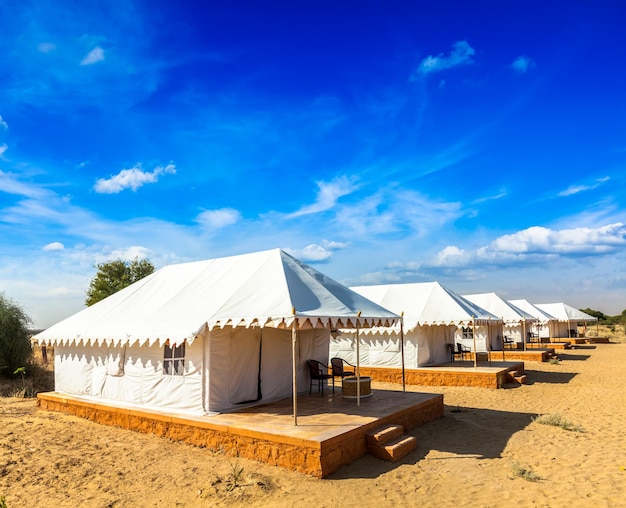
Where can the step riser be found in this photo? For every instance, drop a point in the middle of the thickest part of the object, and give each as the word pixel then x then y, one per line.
pixel 396 450
pixel 381 436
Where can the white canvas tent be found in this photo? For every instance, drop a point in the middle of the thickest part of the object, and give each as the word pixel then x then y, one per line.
pixel 545 324
pixel 516 322
pixel 207 336
pixel 433 315
pixel 567 318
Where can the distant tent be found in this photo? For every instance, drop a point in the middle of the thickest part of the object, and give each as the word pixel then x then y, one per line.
pixel 207 336
pixel 516 322
pixel 434 317
pixel 545 324
pixel 567 317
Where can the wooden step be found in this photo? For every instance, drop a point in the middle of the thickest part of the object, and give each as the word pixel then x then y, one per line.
pixel 394 450
pixel 382 435
pixel 521 379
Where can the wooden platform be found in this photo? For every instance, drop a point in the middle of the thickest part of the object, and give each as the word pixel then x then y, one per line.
pixel 460 373
pixel 331 431
pixel 562 344
pixel 531 355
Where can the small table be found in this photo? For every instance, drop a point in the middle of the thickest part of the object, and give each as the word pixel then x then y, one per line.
pixel 349 386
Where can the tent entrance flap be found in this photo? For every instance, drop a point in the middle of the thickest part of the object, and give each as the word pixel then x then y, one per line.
pixel 244 383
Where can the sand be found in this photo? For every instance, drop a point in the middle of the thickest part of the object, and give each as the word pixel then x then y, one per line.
pixel 464 459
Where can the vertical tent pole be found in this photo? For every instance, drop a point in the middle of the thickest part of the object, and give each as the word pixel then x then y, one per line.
pixel 358 363
pixel 294 365
pixel 474 337
pixel 524 333
pixel 402 349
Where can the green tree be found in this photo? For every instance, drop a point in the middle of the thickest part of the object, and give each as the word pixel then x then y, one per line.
pixel 116 275
pixel 15 348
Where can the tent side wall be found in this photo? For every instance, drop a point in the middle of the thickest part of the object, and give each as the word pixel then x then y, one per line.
pixel 254 365
pixel 130 374
pixel 486 336
pixel 423 345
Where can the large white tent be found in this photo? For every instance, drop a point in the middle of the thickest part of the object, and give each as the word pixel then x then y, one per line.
pixel 567 318
pixel 207 336
pixel 545 324
pixel 516 322
pixel 434 318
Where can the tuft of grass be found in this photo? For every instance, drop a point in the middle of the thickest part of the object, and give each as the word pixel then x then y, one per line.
pixel 3 502
pixel 554 361
pixel 556 420
pixel 527 474
pixel 235 476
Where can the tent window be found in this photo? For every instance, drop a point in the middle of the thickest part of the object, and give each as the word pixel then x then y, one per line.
pixel 468 333
pixel 174 360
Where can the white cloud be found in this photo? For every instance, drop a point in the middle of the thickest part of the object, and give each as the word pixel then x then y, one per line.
pixel 94 56
pixel 3 148
pixel 3 124
pixel 218 219
pixel 327 196
pixel 535 244
pixel 129 253
pixel 11 185
pixel 522 64
pixel 54 246
pixel 575 189
pixel 316 253
pixel 46 47
pixel 131 179
pixel 461 54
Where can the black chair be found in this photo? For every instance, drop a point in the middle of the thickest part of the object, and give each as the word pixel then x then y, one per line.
pixel 338 370
pixel 318 372
pixel 462 350
pixel 453 352
pixel 507 341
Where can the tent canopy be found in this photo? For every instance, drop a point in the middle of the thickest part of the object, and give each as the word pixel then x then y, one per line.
pixel 563 312
pixel 509 313
pixel 178 302
pixel 540 315
pixel 427 303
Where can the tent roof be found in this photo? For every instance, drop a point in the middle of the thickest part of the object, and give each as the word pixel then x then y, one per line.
pixel 509 313
pixel 179 302
pixel 426 303
pixel 564 312
pixel 542 316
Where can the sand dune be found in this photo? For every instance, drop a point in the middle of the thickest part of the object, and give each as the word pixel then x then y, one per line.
pixel 464 459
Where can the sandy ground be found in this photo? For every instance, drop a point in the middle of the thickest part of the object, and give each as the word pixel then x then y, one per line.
pixel 464 459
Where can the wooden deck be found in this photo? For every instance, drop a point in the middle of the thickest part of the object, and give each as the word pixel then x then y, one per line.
pixel 331 431
pixel 494 374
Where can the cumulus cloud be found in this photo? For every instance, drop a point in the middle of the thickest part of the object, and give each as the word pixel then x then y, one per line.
pixel 575 189
pixel 127 254
pixel 522 64
pixel 54 246
pixel 218 219
pixel 131 179
pixel 94 56
pixel 317 253
pixel 535 244
pixel 461 54
pixel 327 195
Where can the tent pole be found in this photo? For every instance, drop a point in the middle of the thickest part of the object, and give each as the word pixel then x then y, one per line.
pixel 474 337
pixel 524 333
pixel 402 350
pixel 294 365
pixel 358 363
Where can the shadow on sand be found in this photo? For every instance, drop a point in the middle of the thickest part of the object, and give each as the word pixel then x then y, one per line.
pixel 461 433
pixel 535 376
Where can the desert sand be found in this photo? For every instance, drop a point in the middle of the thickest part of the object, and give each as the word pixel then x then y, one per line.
pixel 466 458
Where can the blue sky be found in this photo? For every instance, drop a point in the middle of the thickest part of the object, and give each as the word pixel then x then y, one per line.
pixel 479 144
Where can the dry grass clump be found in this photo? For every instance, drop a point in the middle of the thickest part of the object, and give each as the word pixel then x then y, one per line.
pixel 556 420
pixel 519 471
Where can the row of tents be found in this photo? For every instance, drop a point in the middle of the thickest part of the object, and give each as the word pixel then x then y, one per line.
pixel 213 336
pixel 436 318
